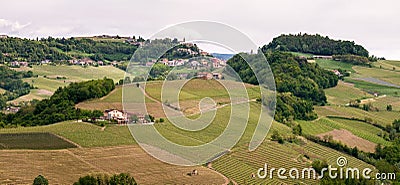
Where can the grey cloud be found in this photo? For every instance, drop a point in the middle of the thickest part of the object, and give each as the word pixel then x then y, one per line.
pixel 374 24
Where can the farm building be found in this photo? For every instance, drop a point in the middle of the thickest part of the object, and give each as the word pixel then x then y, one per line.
pixel 322 57
pixel 209 76
pixel 217 76
pixel 113 114
pixel 204 75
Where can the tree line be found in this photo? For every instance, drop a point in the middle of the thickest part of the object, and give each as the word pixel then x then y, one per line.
pixel 61 105
pixel 96 179
pixel 354 59
pixel 315 44
pixel 61 49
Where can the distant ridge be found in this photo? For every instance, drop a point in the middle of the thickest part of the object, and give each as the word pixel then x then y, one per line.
pixel 222 56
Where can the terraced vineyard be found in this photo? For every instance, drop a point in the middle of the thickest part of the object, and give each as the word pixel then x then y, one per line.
pixel 382 117
pixel 374 88
pixel 240 164
pixel 313 128
pixel 343 93
pixel 331 156
pixel 360 129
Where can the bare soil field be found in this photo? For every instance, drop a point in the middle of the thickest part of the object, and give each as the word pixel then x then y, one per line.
pixel 67 165
pixel 351 140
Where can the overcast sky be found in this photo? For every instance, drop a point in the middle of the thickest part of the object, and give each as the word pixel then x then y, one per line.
pixel 373 24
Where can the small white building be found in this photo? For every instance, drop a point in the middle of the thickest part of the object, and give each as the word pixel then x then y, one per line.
pixel 114 114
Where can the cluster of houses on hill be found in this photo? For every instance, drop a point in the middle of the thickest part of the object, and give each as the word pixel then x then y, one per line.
pixel 19 64
pixel 194 64
pixel 214 63
pixel 134 41
pixel 82 62
pixel 173 63
pixel 88 62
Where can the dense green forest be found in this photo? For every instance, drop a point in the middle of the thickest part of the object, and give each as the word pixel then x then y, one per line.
pixel 61 105
pixel 315 44
pixel 300 84
pixel 59 49
pixel 62 49
pixel 11 81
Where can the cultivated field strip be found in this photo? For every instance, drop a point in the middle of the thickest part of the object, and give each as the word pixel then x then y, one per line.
pixel 331 156
pixel 241 164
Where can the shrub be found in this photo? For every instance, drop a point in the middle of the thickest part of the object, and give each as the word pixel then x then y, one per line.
pixel 103 179
pixel 40 180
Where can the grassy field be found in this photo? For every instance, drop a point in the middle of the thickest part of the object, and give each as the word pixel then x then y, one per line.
pixel 302 54
pixel 189 97
pixel 133 101
pixel 197 89
pixel 382 102
pixel 392 77
pixel 314 128
pixel 47 80
pixel 79 73
pixel 372 88
pixel 37 94
pixel 387 64
pixel 83 134
pixel 382 117
pixel 137 70
pixel 343 93
pixel 46 83
pixel 34 140
pixel 332 64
